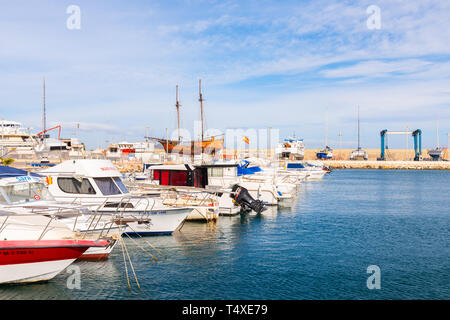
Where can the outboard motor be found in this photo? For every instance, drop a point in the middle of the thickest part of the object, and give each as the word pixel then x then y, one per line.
pixel 243 198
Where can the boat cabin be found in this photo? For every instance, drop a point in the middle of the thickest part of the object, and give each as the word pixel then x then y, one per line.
pixel 86 178
pixel 191 176
pixel 20 187
pixel 179 175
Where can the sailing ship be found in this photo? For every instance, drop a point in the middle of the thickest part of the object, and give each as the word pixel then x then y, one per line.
pixel 359 154
pixel 209 145
pixel 326 153
pixel 437 153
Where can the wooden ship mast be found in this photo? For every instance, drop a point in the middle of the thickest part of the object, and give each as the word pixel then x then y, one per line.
pixel 175 145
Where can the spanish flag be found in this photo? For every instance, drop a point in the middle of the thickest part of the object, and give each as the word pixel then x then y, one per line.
pixel 246 140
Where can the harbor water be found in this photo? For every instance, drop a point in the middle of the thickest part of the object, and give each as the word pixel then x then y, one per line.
pixel 320 248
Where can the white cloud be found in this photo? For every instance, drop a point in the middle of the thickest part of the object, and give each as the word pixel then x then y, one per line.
pixel 281 61
pixel 378 69
pixel 88 126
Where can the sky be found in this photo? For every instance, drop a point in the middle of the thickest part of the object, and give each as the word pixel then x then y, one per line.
pixel 289 65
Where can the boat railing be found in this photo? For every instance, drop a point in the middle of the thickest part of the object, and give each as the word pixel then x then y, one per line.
pixel 51 217
pixel 292 178
pixel 189 198
pixel 143 214
pixel 142 207
pixel 58 212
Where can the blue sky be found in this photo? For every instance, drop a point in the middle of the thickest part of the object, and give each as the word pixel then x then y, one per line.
pixel 262 63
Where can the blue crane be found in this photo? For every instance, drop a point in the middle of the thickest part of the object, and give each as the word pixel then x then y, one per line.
pixel 417 134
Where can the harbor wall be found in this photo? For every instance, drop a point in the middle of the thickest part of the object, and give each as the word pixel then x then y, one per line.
pixel 395 160
pixel 339 154
pixel 393 165
pixel 391 154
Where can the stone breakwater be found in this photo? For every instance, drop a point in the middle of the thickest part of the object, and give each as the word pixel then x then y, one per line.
pixel 393 165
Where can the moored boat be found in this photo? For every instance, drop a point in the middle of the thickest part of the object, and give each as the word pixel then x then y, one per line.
pixel 25 191
pixel 97 184
pixel 325 154
pixel 37 248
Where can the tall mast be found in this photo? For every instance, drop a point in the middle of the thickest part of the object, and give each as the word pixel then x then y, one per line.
pixel 201 105
pixel 177 104
pixel 358 131
pixel 326 128
pixel 43 106
pixel 437 133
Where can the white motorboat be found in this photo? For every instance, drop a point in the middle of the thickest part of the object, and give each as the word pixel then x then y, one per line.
pixel 21 190
pixel 226 174
pixel 218 178
pixel 315 171
pixel 97 184
pixel 436 154
pixel 359 154
pixel 37 248
pixel 291 148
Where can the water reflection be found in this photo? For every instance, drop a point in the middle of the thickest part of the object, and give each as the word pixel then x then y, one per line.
pixel 316 249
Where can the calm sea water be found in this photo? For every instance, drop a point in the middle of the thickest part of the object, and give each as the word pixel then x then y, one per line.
pixel 319 248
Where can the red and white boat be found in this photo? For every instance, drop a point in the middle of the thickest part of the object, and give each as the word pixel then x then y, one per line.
pixel 21 190
pixel 39 260
pixel 37 248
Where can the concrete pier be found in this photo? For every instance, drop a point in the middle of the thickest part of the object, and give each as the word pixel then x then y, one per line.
pixel 395 165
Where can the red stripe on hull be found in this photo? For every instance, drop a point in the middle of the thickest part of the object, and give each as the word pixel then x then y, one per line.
pixel 6 244
pixel 18 252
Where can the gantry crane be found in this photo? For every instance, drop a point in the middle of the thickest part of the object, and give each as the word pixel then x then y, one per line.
pixel 417 134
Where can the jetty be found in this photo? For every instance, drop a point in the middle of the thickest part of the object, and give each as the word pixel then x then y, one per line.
pixel 393 165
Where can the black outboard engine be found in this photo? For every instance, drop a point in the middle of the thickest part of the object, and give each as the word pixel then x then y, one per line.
pixel 245 200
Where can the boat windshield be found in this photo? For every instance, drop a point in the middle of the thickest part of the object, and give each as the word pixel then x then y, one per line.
pixel 108 187
pixel 24 192
pixel 121 185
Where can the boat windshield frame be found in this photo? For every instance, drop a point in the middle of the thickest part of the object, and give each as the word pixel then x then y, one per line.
pixel 39 194
pixel 109 186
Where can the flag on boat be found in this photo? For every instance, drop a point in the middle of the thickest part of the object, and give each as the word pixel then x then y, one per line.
pixel 246 140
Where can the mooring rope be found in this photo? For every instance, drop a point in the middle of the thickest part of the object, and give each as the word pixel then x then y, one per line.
pixel 137 244
pixel 137 233
pixel 125 262
pixel 131 265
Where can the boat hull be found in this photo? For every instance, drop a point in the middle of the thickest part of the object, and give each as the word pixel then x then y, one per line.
pixel 163 222
pixel 98 253
pixel 203 214
pixel 32 272
pixel 41 260
pixel 316 175
pixel 324 156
